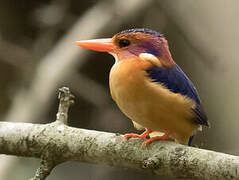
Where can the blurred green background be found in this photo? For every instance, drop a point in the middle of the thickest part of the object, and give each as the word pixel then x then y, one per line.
pixel 38 55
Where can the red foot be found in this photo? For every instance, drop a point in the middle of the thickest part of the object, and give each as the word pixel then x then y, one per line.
pixel 142 136
pixel 156 138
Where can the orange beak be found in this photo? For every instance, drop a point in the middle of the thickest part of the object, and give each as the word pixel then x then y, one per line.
pixel 103 45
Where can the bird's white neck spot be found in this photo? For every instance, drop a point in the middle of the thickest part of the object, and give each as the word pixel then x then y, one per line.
pixel 150 57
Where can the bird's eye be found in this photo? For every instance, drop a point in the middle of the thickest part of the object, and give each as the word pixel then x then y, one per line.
pixel 124 43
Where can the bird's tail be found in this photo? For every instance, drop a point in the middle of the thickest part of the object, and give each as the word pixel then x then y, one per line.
pixel 190 140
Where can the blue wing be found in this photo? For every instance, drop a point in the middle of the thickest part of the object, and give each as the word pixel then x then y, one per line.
pixel 176 81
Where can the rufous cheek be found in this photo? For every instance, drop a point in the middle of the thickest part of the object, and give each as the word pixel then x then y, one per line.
pixel 124 55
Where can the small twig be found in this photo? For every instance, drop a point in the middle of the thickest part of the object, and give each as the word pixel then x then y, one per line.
pixel 66 99
pixel 44 170
pixel 48 160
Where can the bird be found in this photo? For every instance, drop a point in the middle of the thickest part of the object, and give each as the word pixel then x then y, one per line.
pixel 150 88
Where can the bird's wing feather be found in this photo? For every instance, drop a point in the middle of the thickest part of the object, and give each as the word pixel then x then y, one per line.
pixel 176 81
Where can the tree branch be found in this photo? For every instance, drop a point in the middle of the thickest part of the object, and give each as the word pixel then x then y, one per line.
pixel 59 143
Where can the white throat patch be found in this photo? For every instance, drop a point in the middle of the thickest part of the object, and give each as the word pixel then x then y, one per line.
pixel 115 56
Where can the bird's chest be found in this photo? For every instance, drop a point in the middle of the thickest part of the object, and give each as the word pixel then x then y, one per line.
pixel 129 90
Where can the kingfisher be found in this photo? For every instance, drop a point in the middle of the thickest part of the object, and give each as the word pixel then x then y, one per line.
pixel 150 88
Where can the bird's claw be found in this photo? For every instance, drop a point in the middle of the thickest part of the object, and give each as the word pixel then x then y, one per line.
pixel 141 136
pixel 133 136
pixel 164 137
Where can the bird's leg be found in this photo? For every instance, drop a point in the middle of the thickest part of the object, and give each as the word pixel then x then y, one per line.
pixel 142 136
pixel 156 138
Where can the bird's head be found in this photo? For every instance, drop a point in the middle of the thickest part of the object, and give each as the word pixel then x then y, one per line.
pixel 131 43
